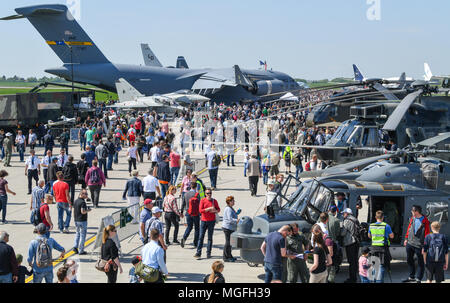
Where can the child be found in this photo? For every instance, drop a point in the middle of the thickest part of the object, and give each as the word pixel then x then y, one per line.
pixel 22 269
pixel 133 277
pixel 435 254
pixel 364 265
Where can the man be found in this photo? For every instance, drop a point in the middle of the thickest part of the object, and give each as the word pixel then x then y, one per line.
pixel 153 255
pixel 208 209
pixel 45 163
pixel 145 215
pixel 2 138
pixel 111 147
pixel 46 269
pixel 44 212
pixel 134 191
pixel 151 186
pixel 154 155
pixel 62 159
pixel 155 223
pixel 254 174
pixel 200 186
pixel 274 249
pixel 32 139
pixel 89 135
pixel 192 214
pixel 82 168
pixel 163 174
pixel 8 264
pixel 21 144
pixel 418 229
pixel 32 169
pixel 7 146
pixel 80 216
pixel 435 254
pixel 70 176
pixel 351 244
pixel 64 140
pixel 51 174
pixel 271 202
pixel 37 196
pixel 90 155
pixel 81 135
pixel 380 233
pixel 101 153
pixel 342 202
pixel 63 203
pixel 213 166
pixel 49 142
pixel 295 244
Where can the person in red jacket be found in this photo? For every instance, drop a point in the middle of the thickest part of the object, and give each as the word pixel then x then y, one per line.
pixel 418 229
pixel 208 209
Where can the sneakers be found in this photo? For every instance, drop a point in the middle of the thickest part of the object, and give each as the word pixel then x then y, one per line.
pixel 182 242
pixel 409 279
pixel 208 256
pixel 75 250
pixel 83 253
pixel 176 242
pixel 66 231
pixel 197 256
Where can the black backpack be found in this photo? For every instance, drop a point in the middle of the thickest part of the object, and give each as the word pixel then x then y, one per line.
pixel 104 152
pixel 360 231
pixel 436 248
pixel 216 160
pixel 36 216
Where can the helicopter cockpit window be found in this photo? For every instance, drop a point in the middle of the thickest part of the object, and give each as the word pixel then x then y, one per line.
pixel 437 211
pixel 345 130
pixel 355 137
pixel 298 201
pixel 430 173
pixel 370 137
pixel 319 201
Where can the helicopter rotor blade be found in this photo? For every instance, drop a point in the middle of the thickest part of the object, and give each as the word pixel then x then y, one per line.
pixel 396 117
pixel 434 140
pixel 386 93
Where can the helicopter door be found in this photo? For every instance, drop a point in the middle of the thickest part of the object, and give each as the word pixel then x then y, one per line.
pixel 393 209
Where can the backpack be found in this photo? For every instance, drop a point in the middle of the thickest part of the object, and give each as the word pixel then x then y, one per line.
pixel 36 216
pixel 216 160
pixel 307 166
pixel 147 273
pixel 43 254
pixel 95 176
pixel 297 160
pixel 287 157
pixel 436 248
pixel 360 232
pixel 104 152
pixel 194 204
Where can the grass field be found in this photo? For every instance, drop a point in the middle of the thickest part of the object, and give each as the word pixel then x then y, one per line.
pixel 98 96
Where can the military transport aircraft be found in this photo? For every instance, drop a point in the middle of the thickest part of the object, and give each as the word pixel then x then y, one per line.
pixel 83 59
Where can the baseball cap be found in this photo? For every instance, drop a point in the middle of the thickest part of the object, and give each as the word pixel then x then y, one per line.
pixel 8 134
pixel 348 211
pixel 148 201
pixel 156 210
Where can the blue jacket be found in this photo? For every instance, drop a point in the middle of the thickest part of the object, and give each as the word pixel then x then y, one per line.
pixel 133 188
pixel 230 218
pixel 32 249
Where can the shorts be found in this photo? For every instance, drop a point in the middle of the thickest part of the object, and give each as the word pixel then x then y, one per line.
pixel 436 270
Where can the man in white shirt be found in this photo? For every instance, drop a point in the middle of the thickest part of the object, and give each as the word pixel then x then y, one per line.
pixel 153 256
pixel 62 158
pixel 45 162
pixel 155 152
pixel 151 186
pixel 32 169
pixel 20 144
pixel 32 139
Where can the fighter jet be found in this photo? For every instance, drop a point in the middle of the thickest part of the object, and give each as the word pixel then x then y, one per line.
pixel 82 58
pixel 150 58
pixel 64 122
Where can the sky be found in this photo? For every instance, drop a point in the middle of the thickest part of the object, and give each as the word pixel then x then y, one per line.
pixel 307 39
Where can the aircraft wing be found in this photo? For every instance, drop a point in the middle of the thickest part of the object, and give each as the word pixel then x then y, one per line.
pixel 218 78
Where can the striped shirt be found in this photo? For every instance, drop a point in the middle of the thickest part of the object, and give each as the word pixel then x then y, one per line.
pixel 37 196
pixel 170 205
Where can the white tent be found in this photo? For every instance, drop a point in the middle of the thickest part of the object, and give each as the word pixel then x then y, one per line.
pixel 289 97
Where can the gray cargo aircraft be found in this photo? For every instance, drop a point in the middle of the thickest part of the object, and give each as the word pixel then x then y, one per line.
pixel 85 63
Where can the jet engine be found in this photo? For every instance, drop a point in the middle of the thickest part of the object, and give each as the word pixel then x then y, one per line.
pixel 267 87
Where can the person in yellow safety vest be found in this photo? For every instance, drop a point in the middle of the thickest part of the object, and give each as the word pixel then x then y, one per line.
pixel 380 232
pixel 200 186
pixel 287 156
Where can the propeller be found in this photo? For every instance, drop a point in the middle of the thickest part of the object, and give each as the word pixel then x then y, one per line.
pixel 396 117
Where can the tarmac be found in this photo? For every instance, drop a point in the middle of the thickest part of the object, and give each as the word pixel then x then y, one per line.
pixel 182 266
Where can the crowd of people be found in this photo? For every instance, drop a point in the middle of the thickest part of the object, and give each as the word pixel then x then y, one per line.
pixel 268 134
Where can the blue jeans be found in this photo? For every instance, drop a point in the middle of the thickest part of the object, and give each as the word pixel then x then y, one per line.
pixel 80 235
pixel 164 188
pixel 245 169
pixel 192 222
pixel 83 143
pixel 232 160
pixel 174 171
pixel 110 161
pixel 21 150
pixel 39 276
pixel 116 157
pixel 364 279
pixel 213 176
pixel 206 225
pixel 265 177
pixel 3 203
pixel 102 165
pixel 298 170
pixel 273 272
pixel 6 278
pixel 3 153
pixel 63 208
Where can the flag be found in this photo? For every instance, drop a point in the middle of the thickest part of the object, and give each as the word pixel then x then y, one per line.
pixel 263 63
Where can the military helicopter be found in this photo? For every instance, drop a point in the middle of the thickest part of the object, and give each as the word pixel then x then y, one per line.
pixel 390 182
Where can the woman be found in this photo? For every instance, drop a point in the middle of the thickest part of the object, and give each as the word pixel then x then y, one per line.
pixel 175 164
pixel 171 214
pixel 216 276
pixel 322 258
pixel 186 183
pixel 94 179
pixel 229 225
pixel 110 253
pixel 132 155
pixel 140 145
pixel 4 190
pixel 62 275
pixel 187 160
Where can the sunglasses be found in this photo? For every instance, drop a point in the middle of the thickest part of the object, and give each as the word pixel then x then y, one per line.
pixel 209 193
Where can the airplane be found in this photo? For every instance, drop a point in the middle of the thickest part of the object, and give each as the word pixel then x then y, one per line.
pixel 150 58
pixel 429 76
pixel 392 183
pixel 401 81
pixel 63 122
pixel 82 58
pixel 130 99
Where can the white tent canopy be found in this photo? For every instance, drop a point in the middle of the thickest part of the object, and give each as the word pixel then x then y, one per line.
pixel 289 97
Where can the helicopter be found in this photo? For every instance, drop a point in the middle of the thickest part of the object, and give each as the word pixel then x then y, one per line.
pixel 391 182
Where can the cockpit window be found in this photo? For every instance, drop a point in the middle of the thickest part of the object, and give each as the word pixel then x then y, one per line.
pixel 345 130
pixel 319 202
pixel 430 173
pixel 355 137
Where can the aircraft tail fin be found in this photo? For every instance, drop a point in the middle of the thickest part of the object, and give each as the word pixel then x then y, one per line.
pixel 428 74
pixel 181 62
pixel 126 91
pixel 62 33
pixel 402 80
pixel 358 75
pixel 240 78
pixel 149 57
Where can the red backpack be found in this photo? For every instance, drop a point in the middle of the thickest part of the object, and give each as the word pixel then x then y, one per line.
pixel 194 204
pixel 307 166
